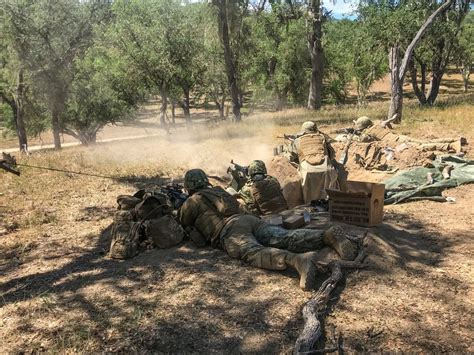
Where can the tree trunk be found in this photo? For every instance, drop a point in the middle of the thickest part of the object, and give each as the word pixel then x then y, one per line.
pixel 317 56
pixel 164 107
pixel 420 93
pixel 229 58
pixel 20 113
pixel 88 137
pixel 55 117
pixel 185 105
pixel 398 68
pixel 423 77
pixel 438 68
pixel 281 100
pixel 435 83
pixel 396 84
pixel 173 113
pixel 466 73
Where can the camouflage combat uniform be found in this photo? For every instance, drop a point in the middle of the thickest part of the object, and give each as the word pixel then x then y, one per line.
pixel 262 193
pixel 385 134
pixel 316 163
pixel 215 214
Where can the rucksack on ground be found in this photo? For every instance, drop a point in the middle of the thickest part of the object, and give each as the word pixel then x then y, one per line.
pixel 164 232
pixel 125 239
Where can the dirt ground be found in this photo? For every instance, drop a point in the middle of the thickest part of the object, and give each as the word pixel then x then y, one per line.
pixel 59 292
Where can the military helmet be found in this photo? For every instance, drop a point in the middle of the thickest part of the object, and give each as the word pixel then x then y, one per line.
pixel 195 179
pixel 363 122
pixel 257 167
pixel 308 127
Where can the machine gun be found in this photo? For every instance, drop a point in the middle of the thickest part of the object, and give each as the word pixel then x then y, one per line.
pixel 289 137
pixel 8 163
pixel 175 193
pixel 239 175
pixel 349 130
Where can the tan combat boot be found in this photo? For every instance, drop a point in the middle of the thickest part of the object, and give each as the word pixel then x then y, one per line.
pixel 336 239
pixel 304 264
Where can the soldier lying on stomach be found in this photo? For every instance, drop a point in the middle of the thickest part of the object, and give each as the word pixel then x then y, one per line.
pixel 211 215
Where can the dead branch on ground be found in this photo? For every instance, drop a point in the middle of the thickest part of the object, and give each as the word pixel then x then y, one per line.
pixel 314 310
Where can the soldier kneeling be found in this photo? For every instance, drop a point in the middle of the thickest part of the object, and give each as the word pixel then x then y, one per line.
pixel 262 193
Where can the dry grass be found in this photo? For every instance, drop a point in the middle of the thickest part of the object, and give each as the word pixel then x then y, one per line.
pixel 59 293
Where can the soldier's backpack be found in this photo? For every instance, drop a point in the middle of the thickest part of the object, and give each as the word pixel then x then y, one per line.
pixel 268 196
pixel 126 202
pixel 153 206
pixel 224 204
pixel 125 236
pixel 164 232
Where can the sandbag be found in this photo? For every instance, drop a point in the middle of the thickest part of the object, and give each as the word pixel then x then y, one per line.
pixel 164 232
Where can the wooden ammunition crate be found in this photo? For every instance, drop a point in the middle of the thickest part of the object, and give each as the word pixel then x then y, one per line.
pixel 361 204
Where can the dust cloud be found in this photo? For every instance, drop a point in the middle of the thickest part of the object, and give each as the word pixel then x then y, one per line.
pixel 210 148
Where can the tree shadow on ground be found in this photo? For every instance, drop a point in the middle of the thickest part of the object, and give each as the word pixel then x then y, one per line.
pixel 187 299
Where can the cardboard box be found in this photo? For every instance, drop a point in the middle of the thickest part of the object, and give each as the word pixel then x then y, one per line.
pixel 361 204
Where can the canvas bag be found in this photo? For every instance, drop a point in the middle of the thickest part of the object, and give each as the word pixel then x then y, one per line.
pixel 164 232
pixel 125 239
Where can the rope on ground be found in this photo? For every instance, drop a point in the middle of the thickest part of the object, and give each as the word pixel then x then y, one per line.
pixel 315 308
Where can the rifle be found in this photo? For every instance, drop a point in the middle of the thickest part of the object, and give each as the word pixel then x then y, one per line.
pixel 175 193
pixel 348 130
pixel 239 175
pixel 290 137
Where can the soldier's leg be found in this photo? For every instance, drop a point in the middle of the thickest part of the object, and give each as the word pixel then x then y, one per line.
pixel 296 240
pixel 304 240
pixel 240 242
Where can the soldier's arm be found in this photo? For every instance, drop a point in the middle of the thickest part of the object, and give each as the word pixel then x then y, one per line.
pixel 189 211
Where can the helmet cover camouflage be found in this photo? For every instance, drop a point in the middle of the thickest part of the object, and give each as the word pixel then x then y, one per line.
pixel 363 122
pixel 309 126
pixel 195 179
pixel 257 167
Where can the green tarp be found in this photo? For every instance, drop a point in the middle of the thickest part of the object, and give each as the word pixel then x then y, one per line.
pixel 412 184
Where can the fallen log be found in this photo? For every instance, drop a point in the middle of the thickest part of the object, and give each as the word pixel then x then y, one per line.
pixel 315 308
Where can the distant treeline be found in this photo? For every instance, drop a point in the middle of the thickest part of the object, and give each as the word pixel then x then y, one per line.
pixel 75 66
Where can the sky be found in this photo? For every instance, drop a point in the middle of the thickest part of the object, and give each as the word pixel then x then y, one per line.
pixel 341 8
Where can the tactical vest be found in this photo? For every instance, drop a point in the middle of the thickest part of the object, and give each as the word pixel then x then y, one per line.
pixel 219 206
pixel 381 133
pixel 312 148
pixel 268 196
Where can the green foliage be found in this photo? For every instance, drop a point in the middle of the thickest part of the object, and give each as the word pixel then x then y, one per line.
pixel 352 58
pixel 280 59
pixel 92 62
pixel 101 93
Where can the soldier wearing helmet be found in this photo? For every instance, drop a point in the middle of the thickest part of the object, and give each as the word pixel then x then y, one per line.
pixel 215 214
pixel 316 162
pixel 262 193
pixel 382 131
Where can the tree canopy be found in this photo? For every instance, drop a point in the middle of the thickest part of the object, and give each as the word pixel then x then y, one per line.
pixel 76 66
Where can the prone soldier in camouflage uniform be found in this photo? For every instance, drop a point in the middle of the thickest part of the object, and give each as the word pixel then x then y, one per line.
pixel 262 193
pixel 382 132
pixel 215 214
